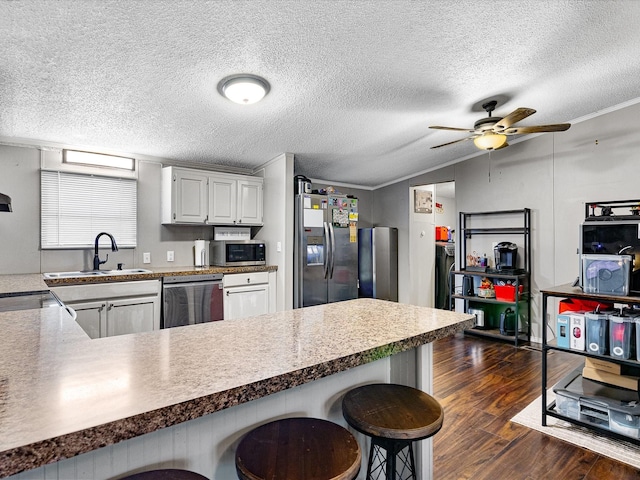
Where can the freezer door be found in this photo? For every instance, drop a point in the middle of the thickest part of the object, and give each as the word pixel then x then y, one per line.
pixel 315 267
pixel 311 251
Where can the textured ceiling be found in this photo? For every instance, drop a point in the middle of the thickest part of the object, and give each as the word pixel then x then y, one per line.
pixel 354 84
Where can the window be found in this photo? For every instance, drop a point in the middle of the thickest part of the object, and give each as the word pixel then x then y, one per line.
pixel 76 207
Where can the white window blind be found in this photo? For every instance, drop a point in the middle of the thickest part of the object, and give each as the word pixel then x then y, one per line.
pixel 75 208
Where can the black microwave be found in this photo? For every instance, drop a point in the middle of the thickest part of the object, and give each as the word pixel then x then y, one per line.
pixel 238 253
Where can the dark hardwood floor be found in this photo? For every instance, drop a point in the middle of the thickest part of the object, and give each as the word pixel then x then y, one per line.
pixel 482 384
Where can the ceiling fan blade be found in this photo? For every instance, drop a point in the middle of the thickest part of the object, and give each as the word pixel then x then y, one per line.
pixel 558 127
pixel 452 128
pixel 515 116
pixel 456 141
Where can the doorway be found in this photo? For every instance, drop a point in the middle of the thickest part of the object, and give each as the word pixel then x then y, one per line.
pixel 430 206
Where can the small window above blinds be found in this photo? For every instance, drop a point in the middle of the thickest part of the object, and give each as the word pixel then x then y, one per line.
pixel 75 208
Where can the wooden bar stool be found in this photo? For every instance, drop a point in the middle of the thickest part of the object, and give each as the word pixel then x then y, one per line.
pixel 165 474
pixel 394 416
pixel 298 449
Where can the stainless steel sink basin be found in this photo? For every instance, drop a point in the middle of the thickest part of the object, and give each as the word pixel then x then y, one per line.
pixel 93 273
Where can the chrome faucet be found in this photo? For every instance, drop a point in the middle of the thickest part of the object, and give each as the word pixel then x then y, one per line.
pixel 114 248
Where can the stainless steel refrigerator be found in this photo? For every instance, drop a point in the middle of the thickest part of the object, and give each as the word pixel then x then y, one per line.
pixel 378 263
pixel 325 249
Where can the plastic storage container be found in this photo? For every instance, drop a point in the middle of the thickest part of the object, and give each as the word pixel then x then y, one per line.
pixel 620 330
pixel 611 408
pixel 597 325
pixel 507 293
pixel 606 274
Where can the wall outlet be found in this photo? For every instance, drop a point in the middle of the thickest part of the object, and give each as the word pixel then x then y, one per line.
pixel 146 257
pixel 278 246
pixel 169 255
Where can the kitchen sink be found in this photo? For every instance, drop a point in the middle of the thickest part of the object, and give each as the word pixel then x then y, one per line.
pixel 94 273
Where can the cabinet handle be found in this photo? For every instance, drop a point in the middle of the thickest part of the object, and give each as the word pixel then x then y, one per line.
pixel 110 306
pixel 227 293
pixel 102 307
pixel 248 280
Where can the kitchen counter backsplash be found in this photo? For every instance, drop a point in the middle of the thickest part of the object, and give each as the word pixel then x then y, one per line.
pixel 156 273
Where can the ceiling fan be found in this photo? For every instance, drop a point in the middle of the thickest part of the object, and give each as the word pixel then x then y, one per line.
pixel 490 133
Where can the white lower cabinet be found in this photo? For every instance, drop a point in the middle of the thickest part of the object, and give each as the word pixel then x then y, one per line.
pixel 109 309
pixel 248 294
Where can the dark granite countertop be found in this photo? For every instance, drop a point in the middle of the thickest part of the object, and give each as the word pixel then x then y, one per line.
pixel 156 273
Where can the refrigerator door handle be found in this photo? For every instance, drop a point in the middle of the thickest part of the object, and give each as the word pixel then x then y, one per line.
pixel 333 249
pixel 327 243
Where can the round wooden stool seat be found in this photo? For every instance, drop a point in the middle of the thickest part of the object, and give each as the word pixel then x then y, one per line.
pixel 298 449
pixel 393 416
pixel 166 474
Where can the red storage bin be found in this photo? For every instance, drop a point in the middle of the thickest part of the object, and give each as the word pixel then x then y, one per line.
pixel 442 234
pixel 507 293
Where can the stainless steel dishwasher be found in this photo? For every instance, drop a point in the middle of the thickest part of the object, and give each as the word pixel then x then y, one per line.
pixel 191 299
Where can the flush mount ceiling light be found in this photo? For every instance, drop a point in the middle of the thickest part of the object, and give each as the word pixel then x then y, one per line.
pixel 244 88
pixel 490 141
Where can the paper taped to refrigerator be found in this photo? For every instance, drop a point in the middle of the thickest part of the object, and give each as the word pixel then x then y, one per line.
pixel 313 218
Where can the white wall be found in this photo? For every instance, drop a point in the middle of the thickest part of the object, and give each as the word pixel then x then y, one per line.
pixel 422 249
pixel 20 230
pixel 278 227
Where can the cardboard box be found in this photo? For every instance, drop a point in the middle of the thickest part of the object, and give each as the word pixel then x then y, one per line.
pixel 562 330
pixel 577 331
pixel 624 381
pixel 603 365
pixel 612 367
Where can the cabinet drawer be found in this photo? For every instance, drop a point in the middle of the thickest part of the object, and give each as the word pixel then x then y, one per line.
pixel 242 279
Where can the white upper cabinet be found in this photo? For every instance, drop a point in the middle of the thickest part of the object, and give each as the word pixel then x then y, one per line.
pixel 222 199
pixel 196 196
pixel 250 202
pixel 184 196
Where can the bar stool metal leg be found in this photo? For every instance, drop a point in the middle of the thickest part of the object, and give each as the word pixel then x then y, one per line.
pixel 383 460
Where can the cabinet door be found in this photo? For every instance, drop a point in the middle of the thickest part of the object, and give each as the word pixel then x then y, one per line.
pixel 90 316
pixel 242 302
pixel 190 190
pixel 222 200
pixel 250 202
pixel 133 315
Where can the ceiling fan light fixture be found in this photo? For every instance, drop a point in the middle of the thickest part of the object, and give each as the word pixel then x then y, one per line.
pixel 244 89
pixel 490 141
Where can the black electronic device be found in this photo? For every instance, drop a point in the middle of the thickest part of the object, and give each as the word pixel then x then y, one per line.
pixel 506 255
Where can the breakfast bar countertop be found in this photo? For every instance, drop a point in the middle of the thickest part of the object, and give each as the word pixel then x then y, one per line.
pixel 22 283
pixel 63 394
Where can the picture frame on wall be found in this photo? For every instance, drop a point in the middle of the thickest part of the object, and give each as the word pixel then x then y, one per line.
pixel 423 201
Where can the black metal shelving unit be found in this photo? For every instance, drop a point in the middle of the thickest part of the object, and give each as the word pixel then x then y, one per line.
pixel 520 277
pixel 549 408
